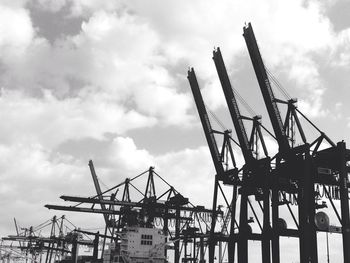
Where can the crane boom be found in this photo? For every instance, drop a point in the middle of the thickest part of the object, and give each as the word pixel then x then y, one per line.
pixel 83 209
pixel 266 89
pixel 98 190
pixel 88 200
pixel 203 115
pixel 216 157
pixel 233 106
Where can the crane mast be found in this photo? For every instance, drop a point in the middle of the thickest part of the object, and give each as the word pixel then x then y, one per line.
pixel 266 90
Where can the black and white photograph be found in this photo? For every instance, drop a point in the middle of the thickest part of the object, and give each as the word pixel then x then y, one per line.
pixel 161 131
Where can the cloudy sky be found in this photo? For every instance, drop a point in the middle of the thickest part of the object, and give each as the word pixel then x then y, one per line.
pixel 106 80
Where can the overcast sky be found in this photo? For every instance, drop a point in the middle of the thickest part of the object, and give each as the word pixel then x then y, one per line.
pixel 106 80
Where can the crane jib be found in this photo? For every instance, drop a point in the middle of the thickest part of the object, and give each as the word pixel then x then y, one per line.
pixel 266 89
pixel 212 138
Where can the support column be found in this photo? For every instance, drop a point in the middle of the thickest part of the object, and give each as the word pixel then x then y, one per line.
pixel 177 236
pixel 201 250
pixel 166 230
pixel 344 200
pixel 306 203
pixel 312 171
pixel 232 243
pixel 212 240
pixel 266 233
pixel 95 252
pixel 75 248
pixel 275 216
pixel 243 224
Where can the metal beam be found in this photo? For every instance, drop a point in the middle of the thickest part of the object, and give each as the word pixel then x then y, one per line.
pixel 266 89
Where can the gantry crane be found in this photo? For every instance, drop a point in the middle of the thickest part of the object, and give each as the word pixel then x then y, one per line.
pixel 297 162
pixel 302 167
pixel 256 171
pixel 187 221
pixel 52 248
pixel 229 177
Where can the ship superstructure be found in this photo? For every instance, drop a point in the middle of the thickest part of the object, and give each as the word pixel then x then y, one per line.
pixel 138 244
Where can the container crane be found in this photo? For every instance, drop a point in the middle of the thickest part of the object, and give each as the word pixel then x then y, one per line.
pixel 298 164
pixel 228 177
pixel 266 89
pixel 258 170
pixel 175 214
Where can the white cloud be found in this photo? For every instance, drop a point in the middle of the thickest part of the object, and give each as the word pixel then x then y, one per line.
pixel 38 170
pixel 125 156
pixel 341 50
pixel 289 46
pixel 165 103
pixel 105 57
pixel 16 31
pixel 308 80
pixel 33 176
pixel 49 121
pixel 212 94
pixel 108 54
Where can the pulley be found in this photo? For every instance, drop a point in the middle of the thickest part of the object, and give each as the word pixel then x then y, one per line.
pixel 322 221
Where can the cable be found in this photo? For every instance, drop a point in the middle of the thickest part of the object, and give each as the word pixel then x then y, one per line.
pixel 70 223
pixel 47 221
pixel 43 226
pixel 244 102
pixel 216 118
pixel 99 179
pixel 114 187
pixel 93 229
pixel 278 84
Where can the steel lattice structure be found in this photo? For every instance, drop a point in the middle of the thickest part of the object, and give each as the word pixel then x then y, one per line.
pixel 296 175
